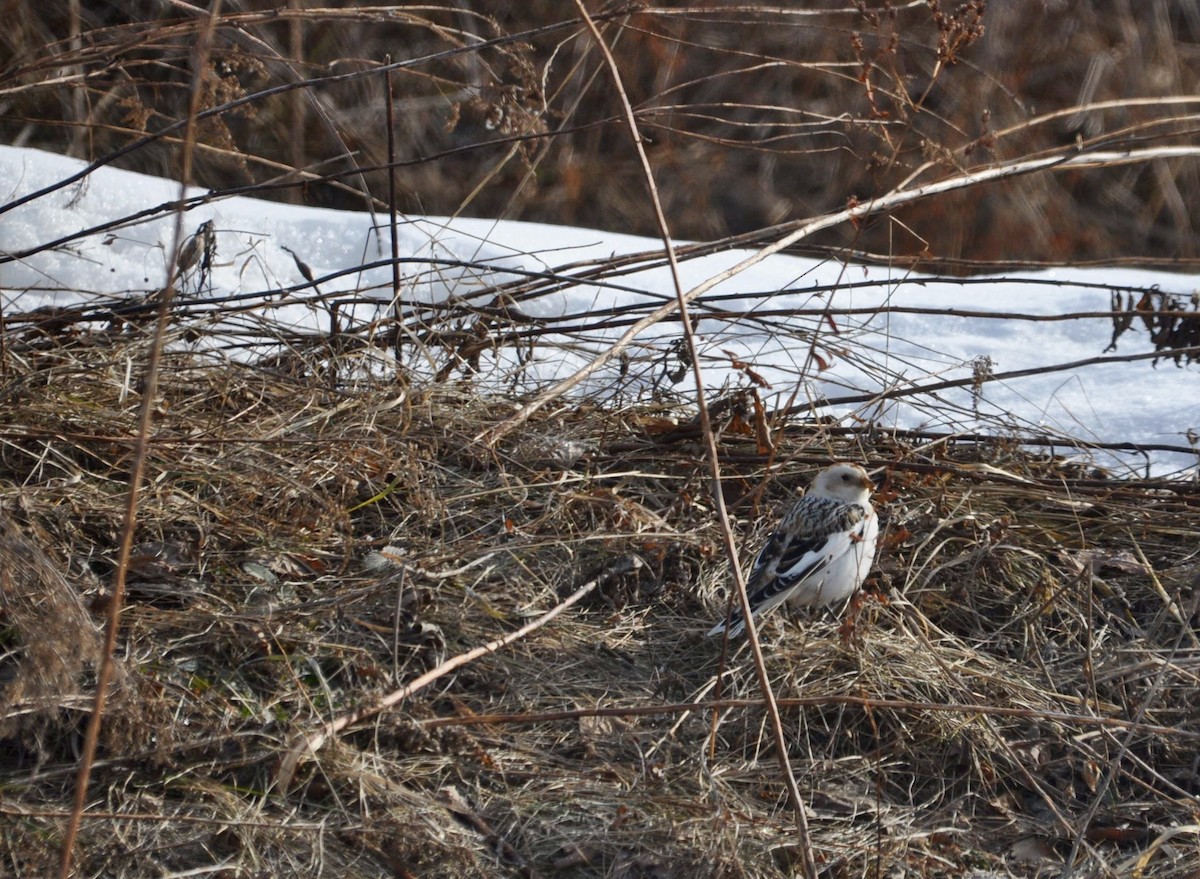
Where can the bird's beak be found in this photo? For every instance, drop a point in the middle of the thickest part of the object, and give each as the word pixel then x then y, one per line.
pixel 866 483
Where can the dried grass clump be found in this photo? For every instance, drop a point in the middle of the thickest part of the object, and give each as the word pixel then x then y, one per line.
pixel 1024 682
pixel 49 639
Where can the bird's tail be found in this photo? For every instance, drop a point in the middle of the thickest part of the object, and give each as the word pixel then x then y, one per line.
pixel 735 623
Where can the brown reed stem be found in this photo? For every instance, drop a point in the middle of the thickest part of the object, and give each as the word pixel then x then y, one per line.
pixel 138 467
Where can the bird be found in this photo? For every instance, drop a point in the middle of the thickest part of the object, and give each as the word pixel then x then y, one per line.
pixel 821 551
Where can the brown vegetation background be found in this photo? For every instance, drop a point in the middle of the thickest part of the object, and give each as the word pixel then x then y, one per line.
pixel 751 118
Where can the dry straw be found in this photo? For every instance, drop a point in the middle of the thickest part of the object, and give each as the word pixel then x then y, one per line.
pixel 303 553
pixel 419 622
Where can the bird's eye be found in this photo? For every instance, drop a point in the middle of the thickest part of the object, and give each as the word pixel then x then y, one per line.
pixel 845 477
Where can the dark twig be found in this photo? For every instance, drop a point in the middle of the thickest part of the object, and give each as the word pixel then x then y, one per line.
pixel 389 116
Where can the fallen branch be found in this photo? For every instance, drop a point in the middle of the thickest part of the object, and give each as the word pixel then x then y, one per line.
pixel 309 743
pixel 866 702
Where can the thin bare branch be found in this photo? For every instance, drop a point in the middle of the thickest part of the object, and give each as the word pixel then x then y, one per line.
pixel 308 744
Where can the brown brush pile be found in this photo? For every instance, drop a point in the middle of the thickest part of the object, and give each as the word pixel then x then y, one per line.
pixel 1024 680
pixel 309 676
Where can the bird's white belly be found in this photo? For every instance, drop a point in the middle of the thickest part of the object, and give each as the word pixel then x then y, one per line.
pixel 843 575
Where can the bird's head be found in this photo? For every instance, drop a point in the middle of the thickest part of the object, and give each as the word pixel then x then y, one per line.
pixel 849 482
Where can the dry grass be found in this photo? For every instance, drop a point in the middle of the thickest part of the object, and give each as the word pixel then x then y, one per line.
pixel 1024 689
pixel 302 552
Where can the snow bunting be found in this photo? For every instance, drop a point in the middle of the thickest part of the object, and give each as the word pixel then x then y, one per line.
pixel 821 551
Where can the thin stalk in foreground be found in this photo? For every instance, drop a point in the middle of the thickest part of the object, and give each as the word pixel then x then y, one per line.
pixel 140 448
pixel 710 443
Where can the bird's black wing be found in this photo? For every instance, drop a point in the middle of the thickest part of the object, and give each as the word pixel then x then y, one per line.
pixel 796 546
pixel 793 552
